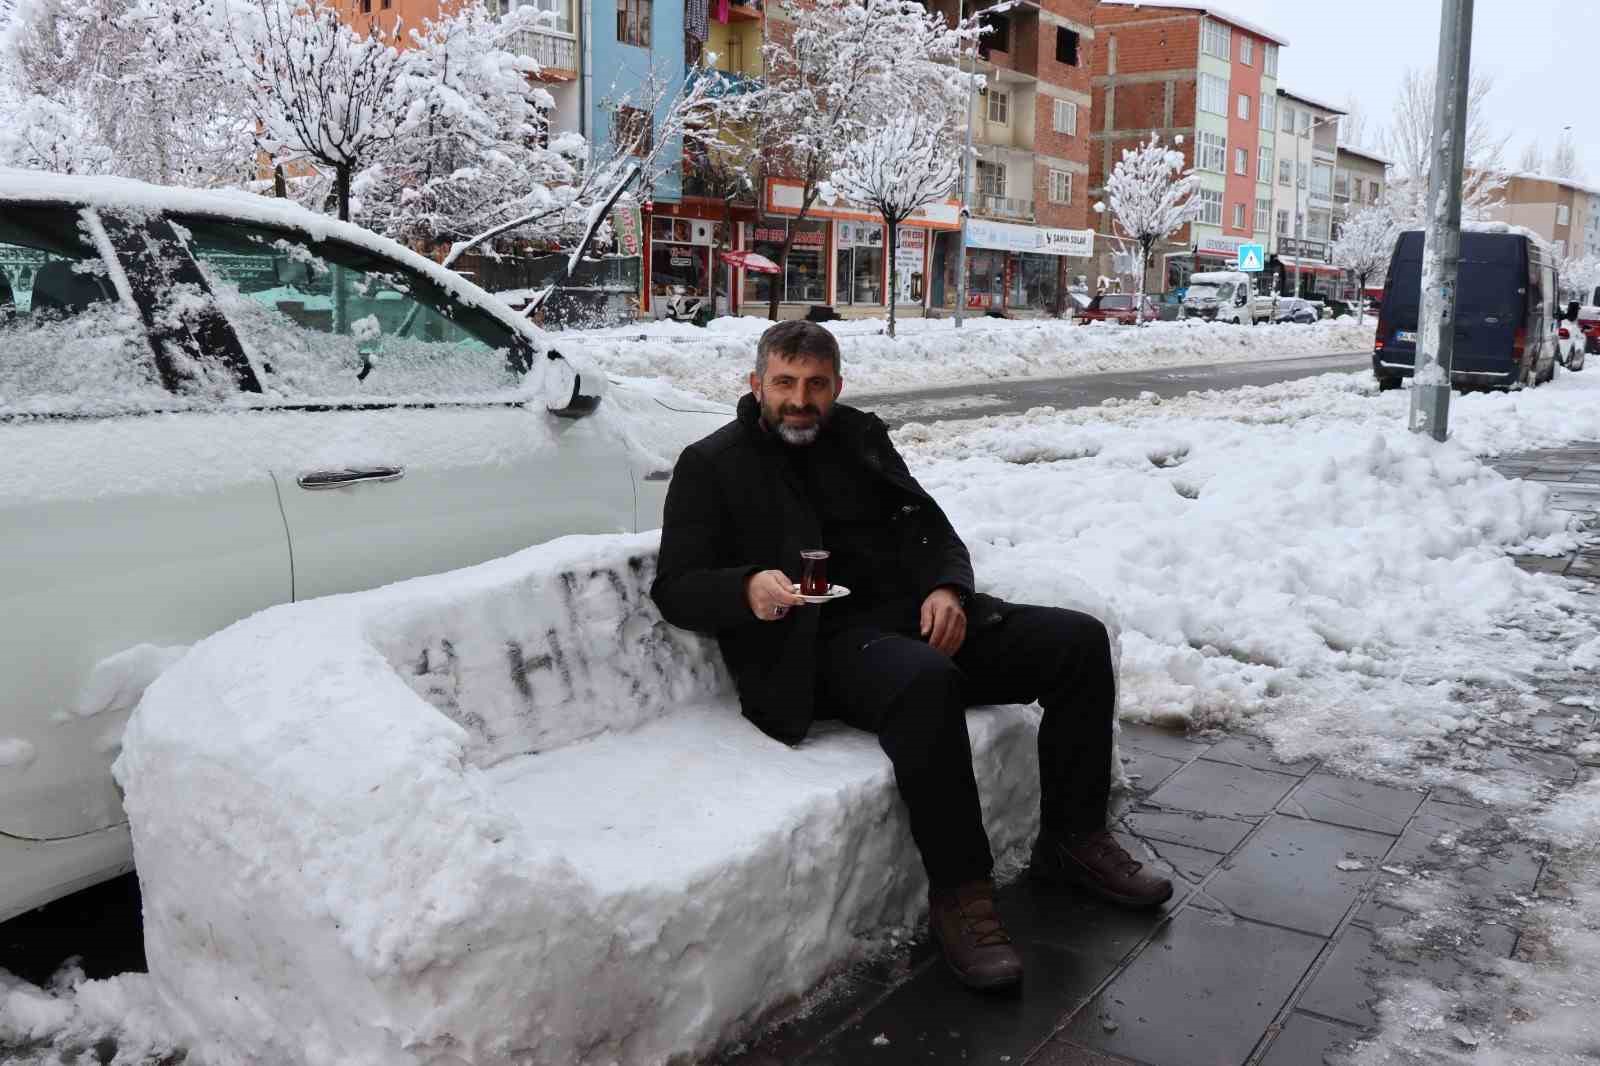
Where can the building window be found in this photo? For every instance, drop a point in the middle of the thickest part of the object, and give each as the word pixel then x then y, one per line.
pixel 997 36
pixel 1288 119
pixel 1264 164
pixel 1301 170
pixel 1373 191
pixel 632 130
pixel 1238 216
pixel 1211 206
pixel 858 263
pixel 1214 38
pixel 366 7
pixel 1241 161
pixel 1317 226
pixel 1269 60
pixel 1211 151
pixel 1305 123
pixel 1244 106
pixel 1268 111
pixel 680 257
pixel 1285 172
pixel 1061 186
pixel 1563 215
pixel 991 178
pixel 999 107
pixel 1322 181
pixel 1213 94
pixel 1066 117
pixel 633 22
pixel 1066 46
pixel 1247 50
pixel 1263 214
pixel 1283 223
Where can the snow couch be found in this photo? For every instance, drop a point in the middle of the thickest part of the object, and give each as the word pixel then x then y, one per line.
pixel 506 815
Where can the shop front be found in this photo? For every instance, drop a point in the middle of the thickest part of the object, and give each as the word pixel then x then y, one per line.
pixel 1013 268
pixel 681 255
pixel 859 270
pixel 804 281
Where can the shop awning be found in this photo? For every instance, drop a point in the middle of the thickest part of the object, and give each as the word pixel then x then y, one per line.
pixel 1310 266
pixel 751 261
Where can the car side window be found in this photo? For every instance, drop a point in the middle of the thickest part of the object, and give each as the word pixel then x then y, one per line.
pixel 327 321
pixel 68 343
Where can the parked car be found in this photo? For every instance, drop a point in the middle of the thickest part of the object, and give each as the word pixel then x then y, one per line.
pixel 1169 308
pixel 1580 335
pixel 1505 315
pixel 1220 296
pixel 1295 309
pixel 1118 307
pixel 211 403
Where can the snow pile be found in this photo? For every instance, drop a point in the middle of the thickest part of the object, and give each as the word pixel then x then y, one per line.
pixel 63 1022
pixel 506 815
pixel 716 362
pixel 1287 559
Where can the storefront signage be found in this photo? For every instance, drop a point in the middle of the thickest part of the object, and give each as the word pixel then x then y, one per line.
pixel 1227 247
pixel 911 237
pixel 785 196
pixel 626 223
pixel 805 238
pixel 1009 237
pixel 857 235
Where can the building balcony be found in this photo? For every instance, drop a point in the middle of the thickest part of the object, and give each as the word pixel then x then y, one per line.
pixel 1005 207
pixel 554 51
pixel 722 83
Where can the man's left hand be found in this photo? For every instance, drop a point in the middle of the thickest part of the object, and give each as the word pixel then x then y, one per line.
pixel 944 623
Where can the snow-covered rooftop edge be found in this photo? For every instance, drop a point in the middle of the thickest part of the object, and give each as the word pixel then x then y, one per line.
pixel 1366 153
pixel 1209 9
pixel 1554 179
pixel 1312 100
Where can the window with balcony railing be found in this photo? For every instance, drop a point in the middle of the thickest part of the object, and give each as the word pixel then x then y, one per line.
pixel 991 179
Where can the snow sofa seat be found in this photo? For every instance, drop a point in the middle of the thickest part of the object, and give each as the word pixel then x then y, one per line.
pixel 506 815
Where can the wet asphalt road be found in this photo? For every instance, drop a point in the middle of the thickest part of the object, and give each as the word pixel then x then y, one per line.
pixel 1086 390
pixel 100 926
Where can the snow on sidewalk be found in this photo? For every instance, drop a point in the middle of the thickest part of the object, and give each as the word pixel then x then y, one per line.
pixel 716 361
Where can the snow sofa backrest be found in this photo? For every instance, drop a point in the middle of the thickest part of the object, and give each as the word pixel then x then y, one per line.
pixel 547 647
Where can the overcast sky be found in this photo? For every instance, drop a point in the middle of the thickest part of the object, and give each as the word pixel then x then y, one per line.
pixel 1539 51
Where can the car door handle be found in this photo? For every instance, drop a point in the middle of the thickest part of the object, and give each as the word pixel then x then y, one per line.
pixel 338 479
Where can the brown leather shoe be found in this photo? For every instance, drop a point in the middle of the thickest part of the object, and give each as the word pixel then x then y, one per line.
pixel 975 944
pixel 1095 861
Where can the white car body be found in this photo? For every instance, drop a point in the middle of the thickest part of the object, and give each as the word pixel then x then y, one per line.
pixel 1220 296
pixel 133 526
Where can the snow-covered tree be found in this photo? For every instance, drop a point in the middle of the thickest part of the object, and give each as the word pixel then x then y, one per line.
pixel 472 147
pixel 1580 275
pixel 1410 139
pixel 843 66
pixel 905 164
pixel 1364 247
pixel 1532 159
pixel 1564 161
pixel 1151 196
pixel 321 92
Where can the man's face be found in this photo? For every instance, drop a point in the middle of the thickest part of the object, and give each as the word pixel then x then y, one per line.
pixel 796 396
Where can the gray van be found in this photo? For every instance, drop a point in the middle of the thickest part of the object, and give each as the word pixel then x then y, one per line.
pixel 1506 313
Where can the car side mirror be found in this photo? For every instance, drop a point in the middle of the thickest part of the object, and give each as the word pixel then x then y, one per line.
pixel 567 392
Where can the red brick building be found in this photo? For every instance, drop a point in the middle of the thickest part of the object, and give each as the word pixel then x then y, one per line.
pixel 1188 70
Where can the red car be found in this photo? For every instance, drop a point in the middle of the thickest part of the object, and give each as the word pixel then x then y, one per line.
pixel 1118 307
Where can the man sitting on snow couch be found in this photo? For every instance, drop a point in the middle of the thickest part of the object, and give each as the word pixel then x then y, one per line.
pixel 905 653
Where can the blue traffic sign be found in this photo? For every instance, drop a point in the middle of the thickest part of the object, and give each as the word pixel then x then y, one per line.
pixel 1252 257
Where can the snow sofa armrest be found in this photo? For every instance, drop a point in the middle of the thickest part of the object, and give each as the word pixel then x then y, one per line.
pixel 506 815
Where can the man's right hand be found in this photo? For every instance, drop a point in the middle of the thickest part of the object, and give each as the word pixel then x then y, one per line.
pixel 770 595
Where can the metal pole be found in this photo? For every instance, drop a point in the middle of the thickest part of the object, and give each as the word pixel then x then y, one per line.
pixel 1441 253
pixel 966 182
pixel 1299 226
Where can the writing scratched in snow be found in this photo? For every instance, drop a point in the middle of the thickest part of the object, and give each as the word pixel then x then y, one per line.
pixel 554 659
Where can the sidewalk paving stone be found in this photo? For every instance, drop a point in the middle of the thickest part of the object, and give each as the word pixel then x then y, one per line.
pixel 1220 788
pixel 1190 829
pixel 1288 873
pixel 1353 803
pixel 1308 1041
pixel 1202 992
pixel 1256 754
pixel 1161 741
pixel 1147 770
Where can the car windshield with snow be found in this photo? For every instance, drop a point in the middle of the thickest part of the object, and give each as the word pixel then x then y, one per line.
pixel 213 403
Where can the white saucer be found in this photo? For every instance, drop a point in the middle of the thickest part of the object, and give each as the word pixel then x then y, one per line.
pixel 835 592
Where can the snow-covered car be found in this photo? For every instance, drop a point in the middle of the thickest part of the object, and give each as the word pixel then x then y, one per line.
pixel 1578 335
pixel 211 403
pixel 1220 296
pixel 1119 308
pixel 1294 309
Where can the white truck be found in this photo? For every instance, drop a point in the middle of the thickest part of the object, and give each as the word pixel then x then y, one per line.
pixel 1221 296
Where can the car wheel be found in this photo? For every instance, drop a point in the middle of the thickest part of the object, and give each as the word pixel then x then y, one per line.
pixel 1386 383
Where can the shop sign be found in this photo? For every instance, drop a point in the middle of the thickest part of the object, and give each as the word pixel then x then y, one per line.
pixel 626 223
pixel 912 237
pixel 681 257
pixel 805 238
pixel 1009 237
pixel 858 235
pixel 1227 247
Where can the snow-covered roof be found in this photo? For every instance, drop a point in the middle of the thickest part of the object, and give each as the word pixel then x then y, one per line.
pixel 1207 9
pixel 1366 153
pixel 1312 100
pixel 112 193
pixel 1532 175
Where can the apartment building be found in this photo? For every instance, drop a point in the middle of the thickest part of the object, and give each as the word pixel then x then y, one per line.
pixel 1564 212
pixel 1306 143
pixel 1194 71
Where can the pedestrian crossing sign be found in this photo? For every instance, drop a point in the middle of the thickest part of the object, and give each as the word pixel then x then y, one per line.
pixel 1252 257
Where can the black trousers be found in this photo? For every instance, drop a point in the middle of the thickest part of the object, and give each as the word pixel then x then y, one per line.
pixel 914 698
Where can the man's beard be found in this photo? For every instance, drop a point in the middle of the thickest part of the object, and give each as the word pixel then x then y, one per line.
pixel 794 435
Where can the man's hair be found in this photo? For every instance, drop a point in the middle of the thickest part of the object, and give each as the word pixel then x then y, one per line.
pixel 807 340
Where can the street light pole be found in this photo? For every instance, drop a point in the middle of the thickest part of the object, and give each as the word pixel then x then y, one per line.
pixel 1441 253
pixel 966 182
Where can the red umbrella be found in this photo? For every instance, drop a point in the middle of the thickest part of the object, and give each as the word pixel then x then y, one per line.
pixel 753 261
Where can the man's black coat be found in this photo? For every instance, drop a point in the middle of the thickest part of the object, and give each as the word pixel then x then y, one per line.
pixel 734 509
